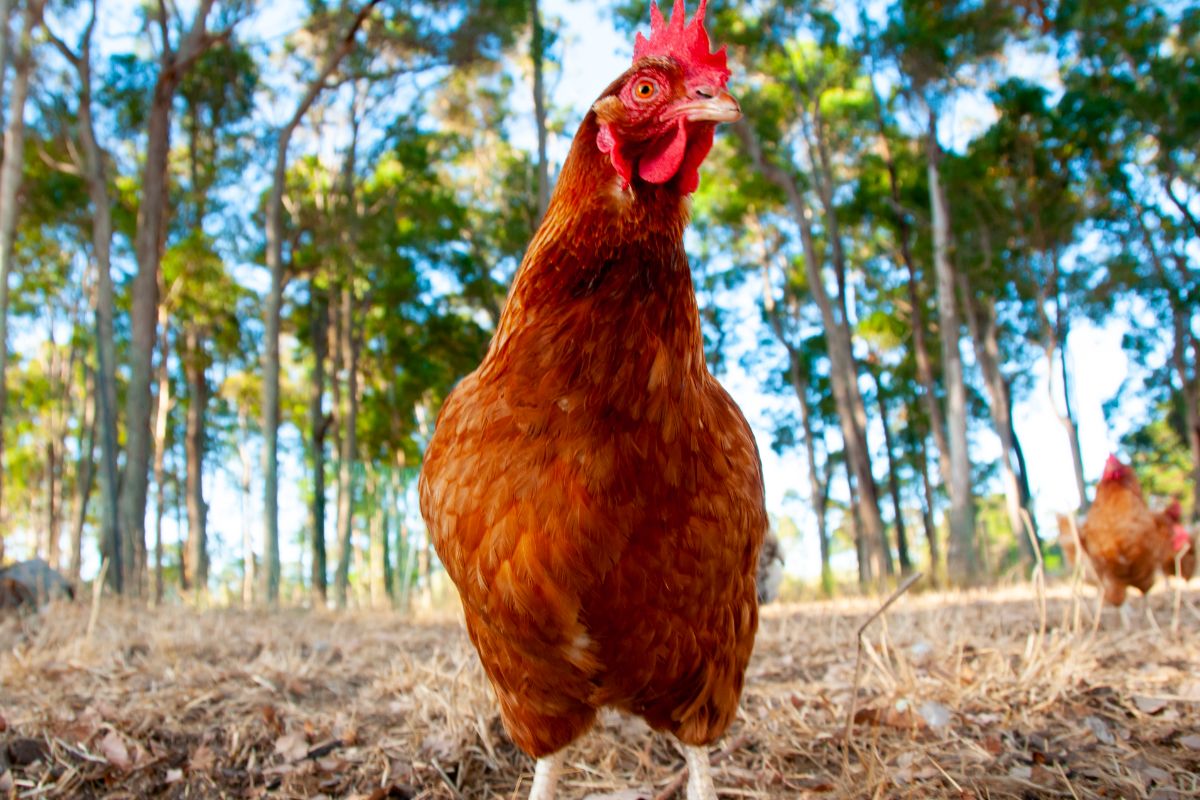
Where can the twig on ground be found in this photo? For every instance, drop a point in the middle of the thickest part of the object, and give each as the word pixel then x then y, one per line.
pixel 896 595
pixel 446 779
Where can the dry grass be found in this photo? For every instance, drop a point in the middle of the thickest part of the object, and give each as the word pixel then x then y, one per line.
pixel 960 697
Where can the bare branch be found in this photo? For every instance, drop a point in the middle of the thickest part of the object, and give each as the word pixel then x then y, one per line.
pixel 65 167
pixel 61 46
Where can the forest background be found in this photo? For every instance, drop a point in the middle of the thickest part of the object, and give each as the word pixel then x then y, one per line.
pixel 948 261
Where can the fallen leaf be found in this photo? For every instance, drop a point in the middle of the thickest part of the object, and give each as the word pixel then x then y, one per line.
pixel 1191 742
pixel 112 746
pixel 624 794
pixel 1149 705
pixel 899 716
pixel 203 760
pixel 23 752
pixel 1021 773
pixel 292 746
pixel 3 724
pixel 271 717
pixel 1099 729
pixel 6 781
pixel 1156 775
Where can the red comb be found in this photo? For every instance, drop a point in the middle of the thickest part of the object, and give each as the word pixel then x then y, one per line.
pixel 686 42
pixel 1113 469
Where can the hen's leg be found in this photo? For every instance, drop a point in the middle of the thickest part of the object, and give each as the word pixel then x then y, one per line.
pixel 1149 611
pixel 545 777
pixel 700 784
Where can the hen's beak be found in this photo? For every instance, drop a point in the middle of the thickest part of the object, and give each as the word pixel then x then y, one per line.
pixel 710 104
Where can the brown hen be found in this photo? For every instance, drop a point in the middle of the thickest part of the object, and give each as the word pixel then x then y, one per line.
pixel 593 492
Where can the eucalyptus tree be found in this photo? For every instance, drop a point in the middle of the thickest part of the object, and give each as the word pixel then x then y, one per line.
pixel 216 99
pixel 1019 213
pixel 409 39
pixel 49 304
pixel 936 47
pixel 11 174
pixel 1132 106
pixel 179 45
pixel 92 161
pixel 805 108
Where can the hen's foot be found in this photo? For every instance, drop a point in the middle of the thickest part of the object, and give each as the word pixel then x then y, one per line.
pixel 700 783
pixel 545 777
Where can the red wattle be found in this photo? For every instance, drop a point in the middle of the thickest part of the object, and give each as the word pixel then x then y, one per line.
pixel 606 141
pixel 698 148
pixel 662 161
pixel 1180 538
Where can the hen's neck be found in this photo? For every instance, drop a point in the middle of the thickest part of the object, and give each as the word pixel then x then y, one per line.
pixel 607 261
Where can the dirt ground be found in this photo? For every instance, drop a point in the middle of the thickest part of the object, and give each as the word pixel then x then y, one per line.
pixel 976 695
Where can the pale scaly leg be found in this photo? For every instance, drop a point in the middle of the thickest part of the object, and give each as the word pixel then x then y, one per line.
pixel 1149 612
pixel 700 783
pixel 545 777
pixel 1124 612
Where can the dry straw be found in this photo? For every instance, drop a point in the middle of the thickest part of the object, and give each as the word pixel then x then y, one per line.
pixel 979 694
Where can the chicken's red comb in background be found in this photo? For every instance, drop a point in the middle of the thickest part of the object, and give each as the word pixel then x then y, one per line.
pixel 1112 468
pixel 686 42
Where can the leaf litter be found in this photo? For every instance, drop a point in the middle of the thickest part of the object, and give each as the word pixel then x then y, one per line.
pixel 961 695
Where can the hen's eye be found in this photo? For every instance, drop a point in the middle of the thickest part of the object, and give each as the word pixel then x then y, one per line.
pixel 644 90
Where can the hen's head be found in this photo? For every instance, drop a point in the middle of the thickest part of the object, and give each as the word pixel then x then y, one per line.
pixel 657 120
pixel 1115 471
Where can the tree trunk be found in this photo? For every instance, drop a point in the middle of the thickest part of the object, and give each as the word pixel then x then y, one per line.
pixel 148 247
pixel 248 572
pixel 963 555
pixel 843 369
pixel 5 10
pixel 162 415
pixel 318 426
pixel 349 450
pixel 537 50
pixel 379 549
pixel 893 483
pixel 818 493
pixel 931 533
pixel 12 171
pixel 59 373
pixel 981 322
pixel 925 376
pixel 1054 347
pixel 275 264
pixel 96 172
pixel 194 365
pixel 86 475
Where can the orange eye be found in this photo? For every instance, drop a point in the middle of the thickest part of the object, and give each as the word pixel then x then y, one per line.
pixel 644 90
